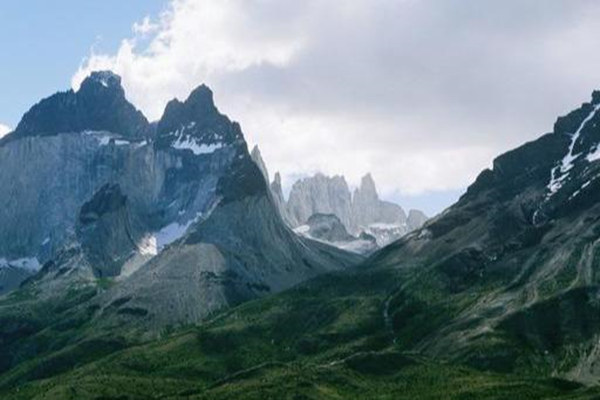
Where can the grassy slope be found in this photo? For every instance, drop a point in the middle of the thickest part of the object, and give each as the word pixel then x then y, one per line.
pixel 327 339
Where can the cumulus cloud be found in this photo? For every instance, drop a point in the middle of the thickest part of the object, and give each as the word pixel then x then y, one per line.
pixel 4 130
pixel 422 94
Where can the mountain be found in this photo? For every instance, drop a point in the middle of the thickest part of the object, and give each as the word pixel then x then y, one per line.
pixel 416 219
pixel 507 277
pixel 174 214
pixel 99 104
pixel 362 211
pixel 495 298
pixel 329 229
pixel 320 194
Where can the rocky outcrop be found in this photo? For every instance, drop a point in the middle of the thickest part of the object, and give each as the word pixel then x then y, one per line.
pixel 415 219
pixel 368 209
pixel 280 203
pixel 320 194
pixel 329 229
pixel 257 158
pixel 108 231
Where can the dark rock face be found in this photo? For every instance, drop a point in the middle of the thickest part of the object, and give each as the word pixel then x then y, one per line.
pixel 98 105
pixel 107 231
pixel 196 124
pixel 327 227
pixel 523 244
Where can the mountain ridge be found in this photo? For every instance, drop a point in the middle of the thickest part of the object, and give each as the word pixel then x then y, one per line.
pixel 122 201
pixel 484 301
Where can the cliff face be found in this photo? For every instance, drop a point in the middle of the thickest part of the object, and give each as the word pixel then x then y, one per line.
pixel 368 209
pixel 47 178
pixel 172 210
pixel 323 195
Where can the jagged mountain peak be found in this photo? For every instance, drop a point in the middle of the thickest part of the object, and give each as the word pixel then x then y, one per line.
pixel 367 188
pixel 196 124
pixel 98 105
pixel 201 98
pixel 199 105
pixel 257 157
pixel 104 80
pixel 367 180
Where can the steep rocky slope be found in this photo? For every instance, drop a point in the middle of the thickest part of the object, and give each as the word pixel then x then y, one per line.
pixel 176 213
pixel 507 277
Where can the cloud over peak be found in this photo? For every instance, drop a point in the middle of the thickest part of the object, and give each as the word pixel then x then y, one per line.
pixel 4 129
pixel 422 94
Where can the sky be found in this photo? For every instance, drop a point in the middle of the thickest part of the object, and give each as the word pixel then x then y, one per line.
pixel 421 93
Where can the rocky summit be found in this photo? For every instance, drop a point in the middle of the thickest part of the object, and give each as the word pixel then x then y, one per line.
pixel 170 210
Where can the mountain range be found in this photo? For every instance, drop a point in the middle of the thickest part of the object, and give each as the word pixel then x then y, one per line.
pixel 162 267
pixel 371 222
pixel 93 191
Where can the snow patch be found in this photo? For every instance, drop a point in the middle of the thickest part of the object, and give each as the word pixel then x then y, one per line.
pixel 302 229
pixel 154 243
pixel 386 226
pixel 358 246
pixel 188 142
pixel 29 263
pixel 561 172
pixel 148 246
pixel 104 139
pixel 594 155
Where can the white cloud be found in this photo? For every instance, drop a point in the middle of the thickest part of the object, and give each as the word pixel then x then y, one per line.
pixel 145 27
pixel 422 94
pixel 4 130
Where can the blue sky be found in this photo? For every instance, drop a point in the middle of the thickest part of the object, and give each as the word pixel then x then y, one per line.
pixel 43 43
